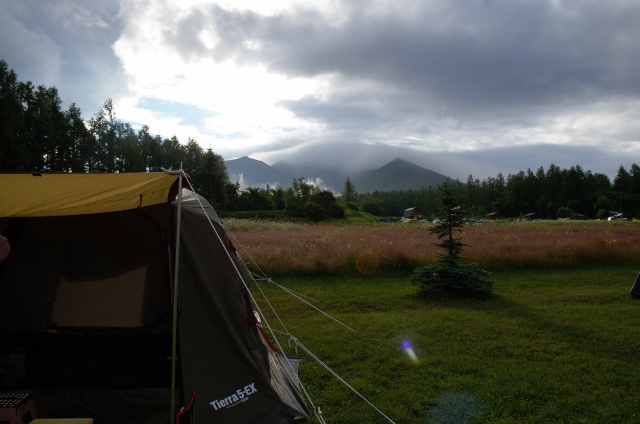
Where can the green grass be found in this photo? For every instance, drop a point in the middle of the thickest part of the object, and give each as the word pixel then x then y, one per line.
pixel 355 217
pixel 552 346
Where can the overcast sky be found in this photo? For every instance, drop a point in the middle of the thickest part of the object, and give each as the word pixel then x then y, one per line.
pixel 461 87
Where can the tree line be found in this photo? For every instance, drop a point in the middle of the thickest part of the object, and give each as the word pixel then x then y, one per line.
pixel 37 135
pixel 550 194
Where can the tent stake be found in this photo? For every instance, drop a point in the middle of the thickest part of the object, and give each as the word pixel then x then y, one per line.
pixel 175 305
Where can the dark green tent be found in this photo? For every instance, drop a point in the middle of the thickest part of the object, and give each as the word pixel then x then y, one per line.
pixel 635 290
pixel 88 318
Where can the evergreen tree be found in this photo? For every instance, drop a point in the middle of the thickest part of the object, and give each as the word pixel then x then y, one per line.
pixel 173 153
pixel 349 193
pixel 623 182
pixel 211 178
pixel 14 153
pixel 79 140
pixel 452 221
pixel 129 155
pixel 634 173
pixel 193 153
pixel 449 276
pixel 103 127
pixel 572 193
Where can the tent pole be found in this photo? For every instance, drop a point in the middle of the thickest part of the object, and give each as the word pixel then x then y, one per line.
pixel 175 305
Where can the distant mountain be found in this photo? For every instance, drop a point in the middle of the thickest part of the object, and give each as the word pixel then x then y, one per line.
pixel 398 174
pixel 286 169
pixel 332 178
pixel 254 173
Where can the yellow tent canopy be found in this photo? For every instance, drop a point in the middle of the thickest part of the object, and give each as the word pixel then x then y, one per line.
pixel 43 194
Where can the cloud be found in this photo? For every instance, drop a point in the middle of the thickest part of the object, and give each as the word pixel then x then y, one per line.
pixel 354 157
pixel 324 81
pixel 462 54
pixel 66 44
pixel 438 75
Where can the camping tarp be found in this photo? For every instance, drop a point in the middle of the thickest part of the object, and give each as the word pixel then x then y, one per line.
pixel 86 298
pixel 41 194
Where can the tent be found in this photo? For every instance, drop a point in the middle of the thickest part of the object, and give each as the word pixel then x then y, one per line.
pixel 121 294
pixel 635 290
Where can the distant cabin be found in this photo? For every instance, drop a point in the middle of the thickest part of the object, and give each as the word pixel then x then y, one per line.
pixel 530 216
pixel 494 215
pixel 412 213
pixel 577 216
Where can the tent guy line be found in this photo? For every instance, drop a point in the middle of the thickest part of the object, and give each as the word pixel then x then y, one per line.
pixel 104 292
pixel 297 296
pixel 295 339
pixel 264 277
pixel 291 367
pixel 342 380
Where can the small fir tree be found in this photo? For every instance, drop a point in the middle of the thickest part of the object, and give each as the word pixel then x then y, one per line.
pixel 349 193
pixel 450 276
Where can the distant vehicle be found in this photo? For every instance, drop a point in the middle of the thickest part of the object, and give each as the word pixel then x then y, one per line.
pixel 617 217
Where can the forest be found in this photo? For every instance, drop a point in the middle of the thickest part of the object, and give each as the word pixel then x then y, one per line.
pixel 37 135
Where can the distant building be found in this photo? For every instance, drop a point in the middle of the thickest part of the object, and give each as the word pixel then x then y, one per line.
pixel 412 213
pixel 609 214
pixel 577 216
pixel 494 215
pixel 530 216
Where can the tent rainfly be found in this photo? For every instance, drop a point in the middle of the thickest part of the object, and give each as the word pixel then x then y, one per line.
pixel 120 294
pixel 635 290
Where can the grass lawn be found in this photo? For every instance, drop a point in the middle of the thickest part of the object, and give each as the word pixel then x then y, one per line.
pixel 550 346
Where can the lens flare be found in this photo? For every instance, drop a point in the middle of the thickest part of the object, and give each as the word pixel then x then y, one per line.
pixel 406 346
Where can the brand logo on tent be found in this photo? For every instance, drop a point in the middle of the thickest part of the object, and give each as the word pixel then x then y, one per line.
pixel 238 397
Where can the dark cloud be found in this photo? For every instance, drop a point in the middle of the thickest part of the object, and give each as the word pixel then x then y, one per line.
pixel 521 158
pixel 484 86
pixel 335 112
pixel 357 157
pixel 489 69
pixel 499 53
pixel 66 44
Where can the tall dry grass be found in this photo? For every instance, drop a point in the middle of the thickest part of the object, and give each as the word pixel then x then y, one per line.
pixel 288 248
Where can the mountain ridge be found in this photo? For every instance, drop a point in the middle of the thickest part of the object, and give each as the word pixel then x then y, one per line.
pixel 395 174
pixel 254 173
pixel 398 174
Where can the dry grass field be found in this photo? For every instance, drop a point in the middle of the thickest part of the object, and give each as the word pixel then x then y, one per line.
pixel 333 249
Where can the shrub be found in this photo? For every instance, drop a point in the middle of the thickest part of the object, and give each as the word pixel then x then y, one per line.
pixel 460 280
pixel 351 206
pixel 314 212
pixel 564 212
pixel 372 207
pixel 322 205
